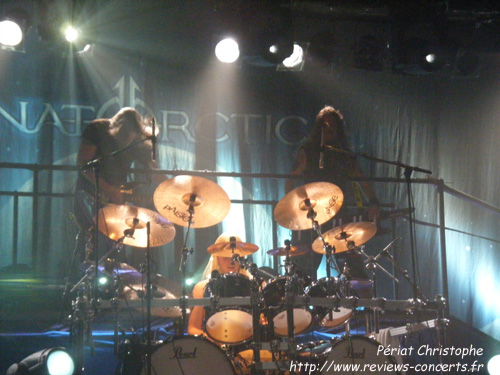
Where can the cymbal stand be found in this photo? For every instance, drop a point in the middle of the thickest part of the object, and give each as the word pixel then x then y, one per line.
pixel 148 300
pixel 372 265
pixel 182 266
pixel 256 302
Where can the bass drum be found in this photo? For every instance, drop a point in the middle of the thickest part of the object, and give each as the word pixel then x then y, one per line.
pixel 229 324
pixel 353 351
pixel 274 300
pixel 189 355
pixel 325 317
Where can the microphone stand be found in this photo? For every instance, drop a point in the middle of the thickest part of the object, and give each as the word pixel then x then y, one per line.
pixel 408 170
pixel 372 265
pixel 148 300
pixel 182 266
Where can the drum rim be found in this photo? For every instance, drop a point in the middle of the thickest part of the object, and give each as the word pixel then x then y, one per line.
pixel 337 340
pixel 172 339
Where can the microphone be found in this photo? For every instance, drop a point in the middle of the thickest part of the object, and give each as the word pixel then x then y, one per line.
pixel 153 138
pixel 322 147
pixel 386 249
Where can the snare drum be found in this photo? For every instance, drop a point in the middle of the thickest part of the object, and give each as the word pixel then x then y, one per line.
pixel 326 317
pixel 356 350
pixel 229 324
pixel 274 300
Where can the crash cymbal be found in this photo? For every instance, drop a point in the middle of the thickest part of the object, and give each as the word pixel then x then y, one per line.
pixel 340 237
pixel 117 221
pixel 227 249
pixel 138 292
pixel 173 197
pixel 293 210
pixel 292 251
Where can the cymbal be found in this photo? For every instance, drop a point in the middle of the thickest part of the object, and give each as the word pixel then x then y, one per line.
pixel 138 292
pixel 292 211
pixel 340 237
pixel 173 197
pixel 292 251
pixel 117 221
pixel 227 249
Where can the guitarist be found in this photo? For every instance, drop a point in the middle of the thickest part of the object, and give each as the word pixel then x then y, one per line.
pixel 100 139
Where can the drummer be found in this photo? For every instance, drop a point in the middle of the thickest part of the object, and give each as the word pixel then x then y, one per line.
pixel 223 264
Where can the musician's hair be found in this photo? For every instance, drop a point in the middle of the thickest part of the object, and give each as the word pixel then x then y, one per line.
pixel 315 136
pixel 127 116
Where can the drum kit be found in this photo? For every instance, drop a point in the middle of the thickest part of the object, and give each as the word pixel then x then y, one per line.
pixel 262 315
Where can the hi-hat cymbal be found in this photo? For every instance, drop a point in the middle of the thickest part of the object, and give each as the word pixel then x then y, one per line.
pixel 210 203
pixel 292 251
pixel 341 237
pixel 130 222
pixel 294 210
pixel 227 249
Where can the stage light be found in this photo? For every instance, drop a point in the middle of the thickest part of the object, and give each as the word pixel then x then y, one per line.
pixel 296 58
pixel 227 50
pixel 53 361
pixel 11 33
pixel 494 365
pixel 277 48
pixel 71 34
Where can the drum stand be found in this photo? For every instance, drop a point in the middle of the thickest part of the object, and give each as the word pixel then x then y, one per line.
pixel 182 266
pixel 372 265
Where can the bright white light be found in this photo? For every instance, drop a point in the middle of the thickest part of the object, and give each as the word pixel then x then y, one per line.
pixel 227 50
pixel 103 280
pixel 430 58
pixel 60 363
pixel 273 49
pixel 467 248
pixel 494 365
pixel 10 33
pixel 296 58
pixel 189 282
pixel 71 34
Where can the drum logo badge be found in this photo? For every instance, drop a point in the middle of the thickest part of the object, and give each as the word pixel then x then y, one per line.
pixel 180 354
pixel 351 353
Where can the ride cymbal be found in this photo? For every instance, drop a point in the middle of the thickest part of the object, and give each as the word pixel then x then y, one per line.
pixel 343 236
pixel 130 224
pixel 174 197
pixel 292 251
pixel 318 200
pixel 227 249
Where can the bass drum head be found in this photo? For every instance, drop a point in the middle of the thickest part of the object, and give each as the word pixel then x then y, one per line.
pixel 230 326
pixel 354 351
pixel 189 355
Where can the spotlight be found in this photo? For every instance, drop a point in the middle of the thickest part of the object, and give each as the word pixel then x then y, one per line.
pixel 296 61
pixel 11 33
pixel 227 50
pixel 422 56
pixel 71 33
pixel 53 361
pixel 494 365
pixel 277 48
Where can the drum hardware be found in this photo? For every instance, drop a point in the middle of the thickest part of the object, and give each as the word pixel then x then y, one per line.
pixel 177 199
